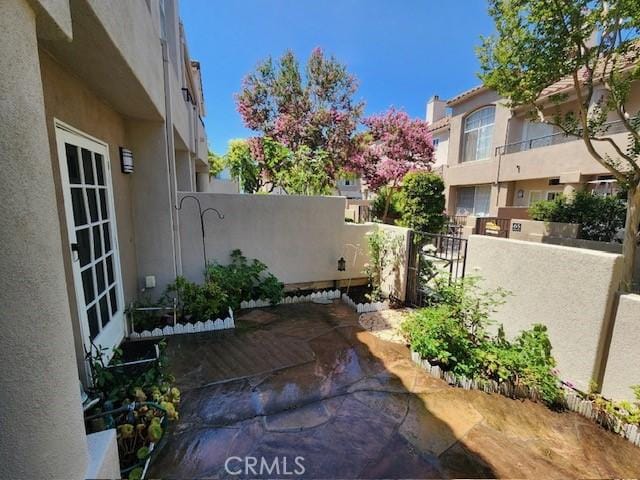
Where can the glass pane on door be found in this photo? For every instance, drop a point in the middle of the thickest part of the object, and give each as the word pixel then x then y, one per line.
pixel 92 223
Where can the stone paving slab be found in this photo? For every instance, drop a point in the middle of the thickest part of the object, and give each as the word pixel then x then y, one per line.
pixel 354 406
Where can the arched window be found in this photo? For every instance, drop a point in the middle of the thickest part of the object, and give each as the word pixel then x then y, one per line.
pixel 478 131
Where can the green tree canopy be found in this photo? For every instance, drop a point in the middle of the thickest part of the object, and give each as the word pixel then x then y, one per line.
pixel 593 47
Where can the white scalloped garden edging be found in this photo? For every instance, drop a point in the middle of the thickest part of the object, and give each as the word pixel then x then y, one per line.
pixel 323 295
pixel 365 307
pixel 572 401
pixel 183 328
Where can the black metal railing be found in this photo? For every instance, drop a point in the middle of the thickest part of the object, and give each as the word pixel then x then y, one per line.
pixel 493 226
pixel 609 128
pixel 454 224
pixel 430 255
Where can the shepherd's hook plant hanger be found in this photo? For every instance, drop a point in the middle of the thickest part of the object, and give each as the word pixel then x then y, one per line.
pixel 202 213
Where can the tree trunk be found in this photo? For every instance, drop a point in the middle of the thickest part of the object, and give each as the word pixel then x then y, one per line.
pixel 387 201
pixel 629 245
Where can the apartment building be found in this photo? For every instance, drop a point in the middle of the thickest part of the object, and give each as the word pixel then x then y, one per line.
pixel 499 162
pixel 437 118
pixel 100 126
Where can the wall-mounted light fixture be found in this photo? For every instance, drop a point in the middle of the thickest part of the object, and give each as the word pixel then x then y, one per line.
pixel 126 160
pixel 520 193
pixel 342 264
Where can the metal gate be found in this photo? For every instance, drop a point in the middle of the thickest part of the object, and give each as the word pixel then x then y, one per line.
pixel 431 254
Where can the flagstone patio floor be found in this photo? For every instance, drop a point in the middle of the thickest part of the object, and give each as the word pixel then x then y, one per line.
pixel 307 381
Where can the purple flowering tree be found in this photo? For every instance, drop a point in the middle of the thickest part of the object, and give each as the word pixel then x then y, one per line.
pixel 312 109
pixel 393 145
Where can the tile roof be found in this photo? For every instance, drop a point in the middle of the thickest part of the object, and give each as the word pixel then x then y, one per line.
pixel 466 94
pixel 438 124
pixel 557 87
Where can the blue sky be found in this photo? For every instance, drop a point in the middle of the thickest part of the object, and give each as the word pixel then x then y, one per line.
pixel 402 51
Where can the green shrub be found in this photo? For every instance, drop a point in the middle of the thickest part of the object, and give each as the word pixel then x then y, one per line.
pixel 384 251
pixel 244 280
pixel 453 333
pixel 203 302
pixel 600 217
pixel 423 202
pixel 395 205
pixel 439 336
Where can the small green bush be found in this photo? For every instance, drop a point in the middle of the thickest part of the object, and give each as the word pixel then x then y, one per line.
pixel 244 280
pixel 600 217
pixel 453 333
pixel 624 410
pixel 203 302
pixel 396 206
pixel 423 202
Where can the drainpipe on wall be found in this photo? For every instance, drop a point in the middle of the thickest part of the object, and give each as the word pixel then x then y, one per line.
pixel 171 159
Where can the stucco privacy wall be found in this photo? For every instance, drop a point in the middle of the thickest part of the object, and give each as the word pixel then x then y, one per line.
pixel 570 290
pixel 299 238
pixel 623 362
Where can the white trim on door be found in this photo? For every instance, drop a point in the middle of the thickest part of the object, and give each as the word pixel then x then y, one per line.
pixel 111 334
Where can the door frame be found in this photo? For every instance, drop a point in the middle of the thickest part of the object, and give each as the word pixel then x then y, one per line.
pixel 85 140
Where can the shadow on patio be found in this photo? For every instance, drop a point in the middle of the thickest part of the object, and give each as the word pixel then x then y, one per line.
pixel 307 381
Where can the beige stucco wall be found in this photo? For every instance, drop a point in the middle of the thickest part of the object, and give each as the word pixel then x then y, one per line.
pixel 537 231
pixel 623 364
pixel 537 185
pixel 69 100
pixel 395 276
pixel 42 431
pixel 570 290
pixel 554 160
pixel 66 98
pixel 299 238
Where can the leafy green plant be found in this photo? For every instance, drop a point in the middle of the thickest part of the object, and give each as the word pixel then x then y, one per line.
pixel 134 400
pixel 525 361
pixel 423 202
pixel 244 280
pixel 624 410
pixel 202 302
pixel 599 217
pixel 396 205
pixel 439 336
pixel 384 249
pixel 453 333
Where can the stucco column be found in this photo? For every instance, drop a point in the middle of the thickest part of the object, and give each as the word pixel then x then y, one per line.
pixel 42 432
pixel 202 182
pixel 152 204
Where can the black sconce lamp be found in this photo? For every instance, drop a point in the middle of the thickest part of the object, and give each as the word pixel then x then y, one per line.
pixel 126 160
pixel 342 264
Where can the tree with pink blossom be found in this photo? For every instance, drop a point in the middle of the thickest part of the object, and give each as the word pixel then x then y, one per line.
pixel 393 145
pixel 312 109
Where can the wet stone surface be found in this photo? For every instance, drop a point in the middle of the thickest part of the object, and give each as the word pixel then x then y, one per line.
pixel 307 381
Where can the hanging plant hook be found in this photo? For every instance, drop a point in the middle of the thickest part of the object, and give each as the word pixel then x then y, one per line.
pixel 201 213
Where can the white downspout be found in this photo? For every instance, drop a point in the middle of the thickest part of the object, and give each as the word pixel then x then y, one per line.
pixel 171 159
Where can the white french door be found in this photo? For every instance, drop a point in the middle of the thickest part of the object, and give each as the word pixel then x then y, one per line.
pixel 91 224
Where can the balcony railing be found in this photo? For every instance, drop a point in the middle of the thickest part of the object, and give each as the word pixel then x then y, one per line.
pixel 609 128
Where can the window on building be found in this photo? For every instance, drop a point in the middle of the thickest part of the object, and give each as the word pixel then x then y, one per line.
pixel 535 196
pixel 538 195
pixel 436 141
pixel 478 132
pixel 473 200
